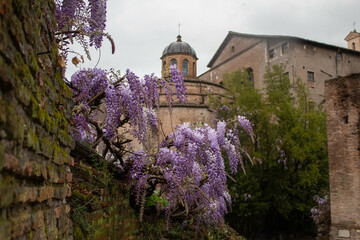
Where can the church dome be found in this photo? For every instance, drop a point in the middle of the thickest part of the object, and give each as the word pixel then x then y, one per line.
pixel 178 47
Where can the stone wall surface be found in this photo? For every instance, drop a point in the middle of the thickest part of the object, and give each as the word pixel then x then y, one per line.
pixel 343 123
pixel 43 195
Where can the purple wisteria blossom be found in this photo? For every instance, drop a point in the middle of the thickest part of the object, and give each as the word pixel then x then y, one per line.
pixel 321 212
pixel 65 13
pixel 87 83
pixel 191 163
pixel 132 100
pixel 246 125
pixel 98 20
pixel 79 19
pixel 178 79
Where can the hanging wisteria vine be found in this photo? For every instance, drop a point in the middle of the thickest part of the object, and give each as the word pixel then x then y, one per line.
pixel 128 100
pixel 189 172
pixel 82 21
pixel 186 173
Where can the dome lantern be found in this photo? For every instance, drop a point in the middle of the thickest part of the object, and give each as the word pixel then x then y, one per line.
pixel 181 54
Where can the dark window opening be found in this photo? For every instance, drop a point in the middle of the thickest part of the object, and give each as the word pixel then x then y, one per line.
pixel 233 49
pixel 339 56
pixel 353 45
pixel 272 53
pixel 284 47
pixel 185 67
pixel 250 73
pixel 173 62
pixel 287 75
pixel 164 67
pixel 310 76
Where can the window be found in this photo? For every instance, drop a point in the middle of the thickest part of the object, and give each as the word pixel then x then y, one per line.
pixel 164 67
pixel 250 73
pixel 287 75
pixel 173 62
pixel 284 47
pixel 194 69
pixel 272 53
pixel 353 45
pixel 310 76
pixel 233 49
pixel 185 67
pixel 339 56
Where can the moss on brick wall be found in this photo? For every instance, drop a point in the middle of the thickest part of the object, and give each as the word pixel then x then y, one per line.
pixel 100 202
pixel 35 106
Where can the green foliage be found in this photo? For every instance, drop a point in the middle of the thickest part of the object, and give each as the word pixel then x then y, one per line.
pixel 154 199
pixel 290 153
pixel 153 228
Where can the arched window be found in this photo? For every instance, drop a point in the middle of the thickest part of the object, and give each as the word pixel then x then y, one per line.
pixel 194 69
pixel 185 67
pixel 250 73
pixel 173 61
pixel 353 45
pixel 164 68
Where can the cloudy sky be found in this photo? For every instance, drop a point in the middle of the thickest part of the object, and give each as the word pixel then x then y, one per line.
pixel 142 29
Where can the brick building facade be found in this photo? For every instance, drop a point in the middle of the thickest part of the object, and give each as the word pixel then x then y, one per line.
pixel 313 62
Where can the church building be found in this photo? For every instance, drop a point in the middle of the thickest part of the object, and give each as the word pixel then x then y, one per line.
pixel 313 62
pixel 197 108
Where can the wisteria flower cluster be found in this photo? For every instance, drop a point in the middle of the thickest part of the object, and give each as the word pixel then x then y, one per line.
pixel 78 19
pixel 189 169
pixel 127 99
pixel 321 213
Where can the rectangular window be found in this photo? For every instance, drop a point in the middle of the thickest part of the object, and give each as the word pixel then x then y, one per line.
pixel 284 47
pixel 272 53
pixel 339 56
pixel 287 75
pixel 310 76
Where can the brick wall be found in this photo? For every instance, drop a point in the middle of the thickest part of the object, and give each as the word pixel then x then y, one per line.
pixel 43 195
pixel 100 201
pixel 343 122
pixel 34 112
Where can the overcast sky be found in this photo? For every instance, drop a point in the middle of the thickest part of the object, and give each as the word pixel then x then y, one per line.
pixel 142 29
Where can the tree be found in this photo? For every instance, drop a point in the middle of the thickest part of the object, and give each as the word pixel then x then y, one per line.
pixel 290 150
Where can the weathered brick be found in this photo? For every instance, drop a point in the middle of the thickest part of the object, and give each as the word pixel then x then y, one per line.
pixel 37 220
pixel 50 221
pixel 71 162
pixel 20 224
pixel 53 174
pixel 58 211
pixel 26 194
pixel 45 193
pixel 2 155
pixel 11 163
pixel 5 230
pixel 60 192
pixel 69 177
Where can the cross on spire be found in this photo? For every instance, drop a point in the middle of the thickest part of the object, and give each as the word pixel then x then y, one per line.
pixel 354 24
pixel 179 28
